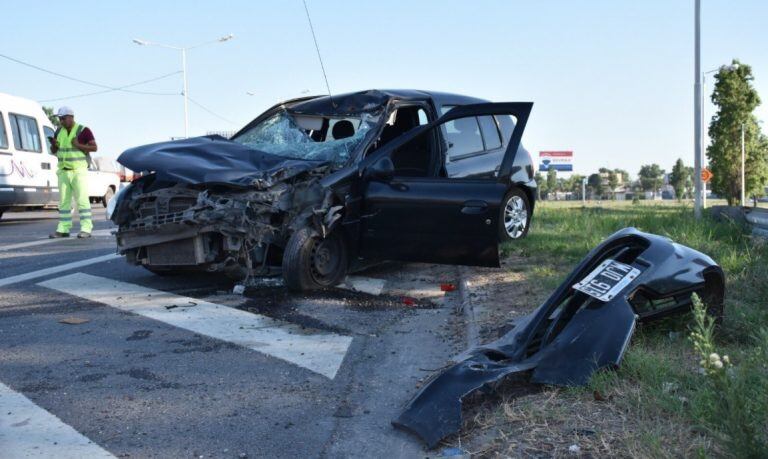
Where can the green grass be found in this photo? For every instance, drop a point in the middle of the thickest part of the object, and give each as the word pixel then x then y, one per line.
pixel 659 379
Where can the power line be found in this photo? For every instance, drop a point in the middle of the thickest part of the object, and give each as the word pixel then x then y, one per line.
pixel 210 111
pixel 122 88
pixel 71 78
pixel 317 48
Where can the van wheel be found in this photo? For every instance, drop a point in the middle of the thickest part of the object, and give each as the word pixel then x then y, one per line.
pixel 107 196
pixel 311 262
pixel 515 218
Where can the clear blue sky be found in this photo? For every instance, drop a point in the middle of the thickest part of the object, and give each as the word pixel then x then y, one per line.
pixel 611 80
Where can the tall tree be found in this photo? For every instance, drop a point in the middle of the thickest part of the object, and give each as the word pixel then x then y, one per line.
pixel 689 183
pixel 651 177
pixel 51 116
pixel 679 178
pixel 595 183
pixel 623 176
pixel 552 181
pixel 736 99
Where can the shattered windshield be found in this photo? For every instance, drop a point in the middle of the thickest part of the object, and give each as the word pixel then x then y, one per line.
pixel 310 137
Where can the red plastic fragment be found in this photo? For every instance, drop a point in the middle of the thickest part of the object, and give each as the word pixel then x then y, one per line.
pixel 408 301
pixel 447 287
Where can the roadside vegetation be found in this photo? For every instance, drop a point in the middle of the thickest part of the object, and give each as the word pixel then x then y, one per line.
pixel 676 393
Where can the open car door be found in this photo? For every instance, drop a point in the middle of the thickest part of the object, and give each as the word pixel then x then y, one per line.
pixel 435 218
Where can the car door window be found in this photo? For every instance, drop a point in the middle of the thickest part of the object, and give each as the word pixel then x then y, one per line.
pixel 26 133
pixel 3 134
pixel 491 136
pixel 463 137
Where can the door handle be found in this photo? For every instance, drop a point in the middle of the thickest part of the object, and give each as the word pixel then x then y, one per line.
pixel 45 166
pixel 474 207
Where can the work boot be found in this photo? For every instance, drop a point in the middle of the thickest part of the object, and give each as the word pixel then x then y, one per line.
pixel 83 235
pixel 57 235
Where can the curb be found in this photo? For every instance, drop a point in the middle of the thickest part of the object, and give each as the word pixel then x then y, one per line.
pixel 466 307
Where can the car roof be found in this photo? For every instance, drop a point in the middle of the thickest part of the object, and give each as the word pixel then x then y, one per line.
pixel 354 102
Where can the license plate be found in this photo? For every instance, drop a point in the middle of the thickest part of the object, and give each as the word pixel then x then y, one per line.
pixel 607 280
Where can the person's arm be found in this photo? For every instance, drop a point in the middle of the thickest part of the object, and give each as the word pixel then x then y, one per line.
pixel 85 142
pixel 89 147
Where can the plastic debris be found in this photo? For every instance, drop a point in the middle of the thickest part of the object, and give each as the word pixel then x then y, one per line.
pixel 447 287
pixel 239 289
pixel 74 321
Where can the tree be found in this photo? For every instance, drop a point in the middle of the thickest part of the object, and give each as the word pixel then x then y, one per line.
pixel 595 183
pixel 651 178
pixel 689 184
pixel 552 181
pixel 51 116
pixel 679 178
pixel 736 100
pixel 623 176
pixel 573 184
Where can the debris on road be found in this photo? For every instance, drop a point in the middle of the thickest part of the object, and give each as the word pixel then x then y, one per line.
pixel 584 326
pixel 74 321
pixel 447 287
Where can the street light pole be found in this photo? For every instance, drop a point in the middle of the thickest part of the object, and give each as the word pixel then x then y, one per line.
pixel 698 202
pixel 186 94
pixel 743 169
pixel 183 50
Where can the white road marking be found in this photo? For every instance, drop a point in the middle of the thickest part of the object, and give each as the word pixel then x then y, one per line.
pixel 364 284
pixel 55 269
pixel 28 431
pixel 318 351
pixel 21 245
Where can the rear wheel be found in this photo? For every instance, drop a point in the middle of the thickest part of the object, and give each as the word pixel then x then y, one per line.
pixel 515 218
pixel 311 262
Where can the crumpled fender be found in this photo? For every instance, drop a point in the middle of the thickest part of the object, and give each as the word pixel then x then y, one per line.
pixel 572 335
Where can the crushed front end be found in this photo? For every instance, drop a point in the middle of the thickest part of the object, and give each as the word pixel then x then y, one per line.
pixel 236 231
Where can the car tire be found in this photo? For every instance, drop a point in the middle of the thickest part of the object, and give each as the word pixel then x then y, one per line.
pixel 311 262
pixel 107 196
pixel 514 215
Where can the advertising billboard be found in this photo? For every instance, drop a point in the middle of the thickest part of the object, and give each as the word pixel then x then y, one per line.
pixel 557 160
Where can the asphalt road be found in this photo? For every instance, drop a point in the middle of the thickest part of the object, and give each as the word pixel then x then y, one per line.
pixel 177 366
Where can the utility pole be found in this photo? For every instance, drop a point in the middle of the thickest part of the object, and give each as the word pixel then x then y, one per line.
pixel 583 190
pixel 698 202
pixel 743 169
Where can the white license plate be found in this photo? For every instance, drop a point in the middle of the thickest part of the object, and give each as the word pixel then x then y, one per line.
pixel 607 280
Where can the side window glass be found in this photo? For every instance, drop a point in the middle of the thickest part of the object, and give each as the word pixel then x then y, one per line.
pixel 490 132
pixel 423 118
pixel 463 137
pixel 3 134
pixel 47 132
pixel 26 134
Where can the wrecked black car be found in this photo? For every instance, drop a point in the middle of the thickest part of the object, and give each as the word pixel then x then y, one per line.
pixel 584 326
pixel 318 186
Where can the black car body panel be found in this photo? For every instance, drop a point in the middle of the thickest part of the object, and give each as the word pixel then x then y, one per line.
pixel 572 335
pixel 234 203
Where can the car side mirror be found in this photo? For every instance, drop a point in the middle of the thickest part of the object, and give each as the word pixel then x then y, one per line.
pixel 383 170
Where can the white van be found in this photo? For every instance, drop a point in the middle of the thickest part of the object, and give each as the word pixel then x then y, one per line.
pixel 27 168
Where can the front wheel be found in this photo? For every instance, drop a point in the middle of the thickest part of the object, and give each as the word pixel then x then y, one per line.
pixel 311 262
pixel 515 218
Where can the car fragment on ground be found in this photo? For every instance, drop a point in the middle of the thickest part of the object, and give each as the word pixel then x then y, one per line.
pixel 584 326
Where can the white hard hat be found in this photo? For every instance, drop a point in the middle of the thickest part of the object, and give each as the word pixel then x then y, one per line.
pixel 64 111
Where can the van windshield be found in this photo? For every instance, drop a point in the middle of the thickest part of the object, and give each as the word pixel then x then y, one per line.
pixel 324 138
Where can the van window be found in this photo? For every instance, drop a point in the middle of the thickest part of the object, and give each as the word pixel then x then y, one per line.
pixel 3 135
pixel 463 137
pixel 26 134
pixel 47 132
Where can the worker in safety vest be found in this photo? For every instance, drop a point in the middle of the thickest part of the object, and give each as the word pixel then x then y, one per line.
pixel 72 144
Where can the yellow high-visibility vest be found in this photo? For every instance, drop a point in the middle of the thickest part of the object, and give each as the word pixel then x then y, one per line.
pixel 69 156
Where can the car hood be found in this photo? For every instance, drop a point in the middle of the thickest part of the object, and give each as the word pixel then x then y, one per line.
pixel 214 160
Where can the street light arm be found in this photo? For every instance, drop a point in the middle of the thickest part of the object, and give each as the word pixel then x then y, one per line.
pixel 141 42
pixel 218 40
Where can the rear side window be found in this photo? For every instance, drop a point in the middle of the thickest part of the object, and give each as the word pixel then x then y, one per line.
pixel 26 134
pixel 3 134
pixel 490 132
